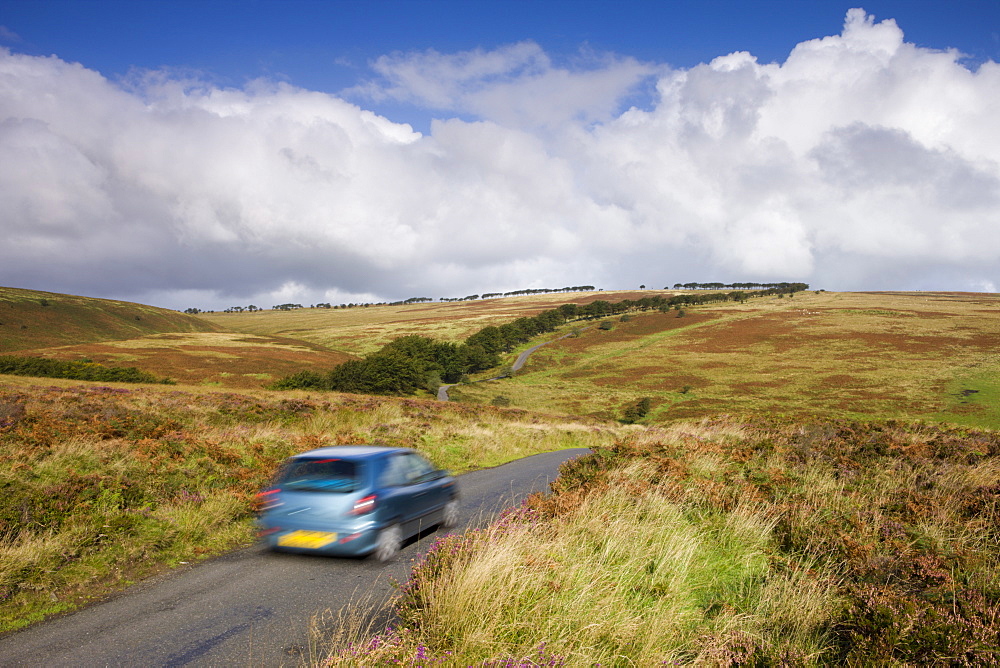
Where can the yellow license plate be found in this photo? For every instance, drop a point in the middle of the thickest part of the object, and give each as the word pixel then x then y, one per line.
pixel 312 540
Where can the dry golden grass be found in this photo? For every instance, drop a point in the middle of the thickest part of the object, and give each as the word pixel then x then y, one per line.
pixel 629 576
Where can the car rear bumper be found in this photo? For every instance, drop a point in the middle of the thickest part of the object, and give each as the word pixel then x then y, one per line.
pixel 339 541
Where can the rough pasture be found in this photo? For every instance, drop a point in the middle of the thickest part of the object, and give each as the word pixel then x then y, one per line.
pixel 233 360
pixel 362 330
pixel 901 355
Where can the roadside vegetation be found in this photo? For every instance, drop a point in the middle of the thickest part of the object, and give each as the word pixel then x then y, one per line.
pixel 724 542
pixel 102 485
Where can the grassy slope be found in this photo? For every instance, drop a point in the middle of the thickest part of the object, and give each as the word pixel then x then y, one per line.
pixel 32 319
pixel 362 330
pixel 726 542
pixel 221 359
pixel 165 343
pixel 912 356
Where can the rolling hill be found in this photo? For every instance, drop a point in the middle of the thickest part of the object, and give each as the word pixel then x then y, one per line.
pixel 928 356
pixel 361 330
pixel 33 319
pixel 182 347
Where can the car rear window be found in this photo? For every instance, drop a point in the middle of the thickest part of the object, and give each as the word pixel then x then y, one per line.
pixel 321 475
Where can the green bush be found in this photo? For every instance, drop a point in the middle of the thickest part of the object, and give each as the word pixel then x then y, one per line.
pixel 637 410
pixel 48 368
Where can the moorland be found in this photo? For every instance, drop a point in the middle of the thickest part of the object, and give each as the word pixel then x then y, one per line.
pixel 812 478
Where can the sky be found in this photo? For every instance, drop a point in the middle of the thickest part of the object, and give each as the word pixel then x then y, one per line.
pixel 218 153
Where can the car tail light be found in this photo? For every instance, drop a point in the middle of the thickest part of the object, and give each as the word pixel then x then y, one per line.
pixel 364 505
pixel 266 500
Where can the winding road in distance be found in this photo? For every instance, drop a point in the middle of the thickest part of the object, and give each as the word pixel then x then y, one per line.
pixel 442 394
pixel 250 607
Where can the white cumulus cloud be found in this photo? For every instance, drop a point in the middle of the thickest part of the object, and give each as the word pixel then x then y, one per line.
pixel 860 162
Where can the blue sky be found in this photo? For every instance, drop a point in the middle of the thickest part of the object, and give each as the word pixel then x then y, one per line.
pixel 224 153
pixel 327 46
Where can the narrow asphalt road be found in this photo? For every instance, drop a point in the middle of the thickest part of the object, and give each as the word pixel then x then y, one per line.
pixel 250 607
pixel 442 394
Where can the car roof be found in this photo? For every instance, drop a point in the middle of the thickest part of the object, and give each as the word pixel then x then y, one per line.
pixel 350 451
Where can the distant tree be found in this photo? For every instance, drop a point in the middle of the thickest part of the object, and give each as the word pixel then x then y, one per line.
pixel 596 309
pixel 489 338
pixel 568 311
pixel 475 358
pixel 636 411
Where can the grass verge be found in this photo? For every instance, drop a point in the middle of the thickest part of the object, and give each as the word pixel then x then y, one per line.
pixel 101 486
pixel 726 542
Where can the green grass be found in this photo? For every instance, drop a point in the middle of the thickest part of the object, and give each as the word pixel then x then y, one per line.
pixel 972 399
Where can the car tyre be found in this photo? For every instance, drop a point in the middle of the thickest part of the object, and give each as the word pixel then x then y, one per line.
pixel 390 540
pixel 450 517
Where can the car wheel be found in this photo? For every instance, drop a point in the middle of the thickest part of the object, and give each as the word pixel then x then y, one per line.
pixel 450 518
pixel 390 539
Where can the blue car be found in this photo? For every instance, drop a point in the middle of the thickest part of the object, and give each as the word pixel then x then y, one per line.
pixel 354 500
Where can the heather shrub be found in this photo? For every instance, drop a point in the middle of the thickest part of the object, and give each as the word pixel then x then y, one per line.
pixel 729 542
